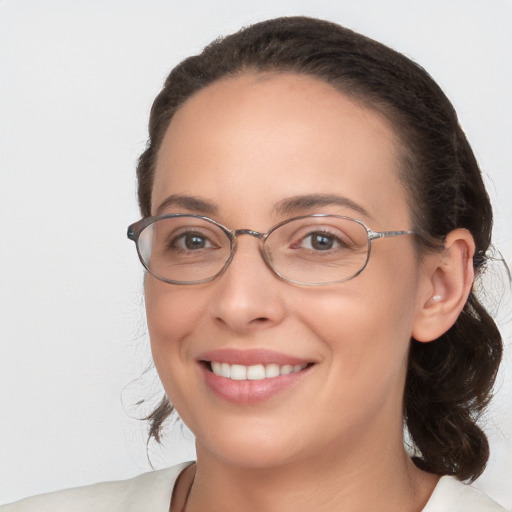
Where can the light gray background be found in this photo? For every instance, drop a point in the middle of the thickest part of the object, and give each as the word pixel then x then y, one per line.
pixel 76 83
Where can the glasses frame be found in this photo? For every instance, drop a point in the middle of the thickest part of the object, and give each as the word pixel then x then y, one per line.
pixel 135 229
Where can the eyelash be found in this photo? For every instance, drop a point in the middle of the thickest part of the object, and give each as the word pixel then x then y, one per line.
pixel 182 237
pixel 340 243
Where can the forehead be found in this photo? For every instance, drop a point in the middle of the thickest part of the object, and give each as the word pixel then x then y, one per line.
pixel 255 139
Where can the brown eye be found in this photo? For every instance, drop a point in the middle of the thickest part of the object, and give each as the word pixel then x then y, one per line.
pixel 191 242
pixel 320 241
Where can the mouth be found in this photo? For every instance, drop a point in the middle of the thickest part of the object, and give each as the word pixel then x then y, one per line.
pixel 252 376
pixel 253 372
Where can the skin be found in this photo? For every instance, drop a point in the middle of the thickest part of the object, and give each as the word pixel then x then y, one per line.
pixel 333 441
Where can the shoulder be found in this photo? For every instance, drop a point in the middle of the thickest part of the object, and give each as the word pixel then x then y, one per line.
pixel 149 491
pixel 451 495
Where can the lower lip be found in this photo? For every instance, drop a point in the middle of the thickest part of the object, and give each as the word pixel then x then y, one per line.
pixel 250 391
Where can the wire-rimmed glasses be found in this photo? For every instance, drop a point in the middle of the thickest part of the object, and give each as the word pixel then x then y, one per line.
pixel 319 249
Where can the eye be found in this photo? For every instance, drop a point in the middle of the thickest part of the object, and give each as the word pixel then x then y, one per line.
pixel 191 241
pixel 320 241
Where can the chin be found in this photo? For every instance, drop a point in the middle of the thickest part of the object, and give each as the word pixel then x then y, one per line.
pixel 249 447
pixel 251 456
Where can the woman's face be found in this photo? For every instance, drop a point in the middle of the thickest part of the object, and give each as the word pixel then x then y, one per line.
pixel 243 146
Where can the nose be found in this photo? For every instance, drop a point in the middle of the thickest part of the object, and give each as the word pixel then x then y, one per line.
pixel 249 295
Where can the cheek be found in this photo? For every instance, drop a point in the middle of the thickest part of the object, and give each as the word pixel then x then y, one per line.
pixel 366 323
pixel 173 312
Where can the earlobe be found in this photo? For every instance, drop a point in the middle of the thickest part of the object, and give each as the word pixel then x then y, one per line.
pixel 450 280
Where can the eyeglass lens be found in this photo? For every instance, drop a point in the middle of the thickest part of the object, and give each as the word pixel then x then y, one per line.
pixel 311 250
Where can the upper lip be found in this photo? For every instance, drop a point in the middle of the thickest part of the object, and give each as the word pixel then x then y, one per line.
pixel 250 357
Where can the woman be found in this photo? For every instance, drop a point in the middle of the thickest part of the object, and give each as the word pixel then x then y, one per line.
pixel 313 221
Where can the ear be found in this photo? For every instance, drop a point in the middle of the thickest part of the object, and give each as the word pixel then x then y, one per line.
pixel 450 277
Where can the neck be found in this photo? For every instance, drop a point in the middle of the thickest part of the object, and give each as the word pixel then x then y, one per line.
pixel 333 482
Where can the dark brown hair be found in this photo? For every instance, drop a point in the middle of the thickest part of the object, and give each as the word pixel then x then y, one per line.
pixel 449 380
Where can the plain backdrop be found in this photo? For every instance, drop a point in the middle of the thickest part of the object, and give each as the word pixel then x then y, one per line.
pixel 77 79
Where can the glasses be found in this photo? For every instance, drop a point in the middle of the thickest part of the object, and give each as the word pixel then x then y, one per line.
pixel 315 249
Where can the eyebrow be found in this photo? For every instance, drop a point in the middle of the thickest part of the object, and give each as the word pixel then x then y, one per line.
pixel 191 203
pixel 288 206
pixel 297 204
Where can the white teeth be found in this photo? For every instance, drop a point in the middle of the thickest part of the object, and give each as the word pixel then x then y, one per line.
pixel 254 372
pixel 272 370
pixel 225 369
pixel 216 368
pixel 286 369
pixel 238 372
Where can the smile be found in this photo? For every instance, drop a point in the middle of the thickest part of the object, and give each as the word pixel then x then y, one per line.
pixel 254 372
pixel 251 376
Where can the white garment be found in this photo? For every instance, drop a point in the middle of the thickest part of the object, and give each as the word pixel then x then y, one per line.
pixel 151 492
pixel 450 495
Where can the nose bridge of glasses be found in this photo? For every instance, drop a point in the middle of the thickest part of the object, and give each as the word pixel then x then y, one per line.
pixel 262 237
pixel 256 234
pixel 250 232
